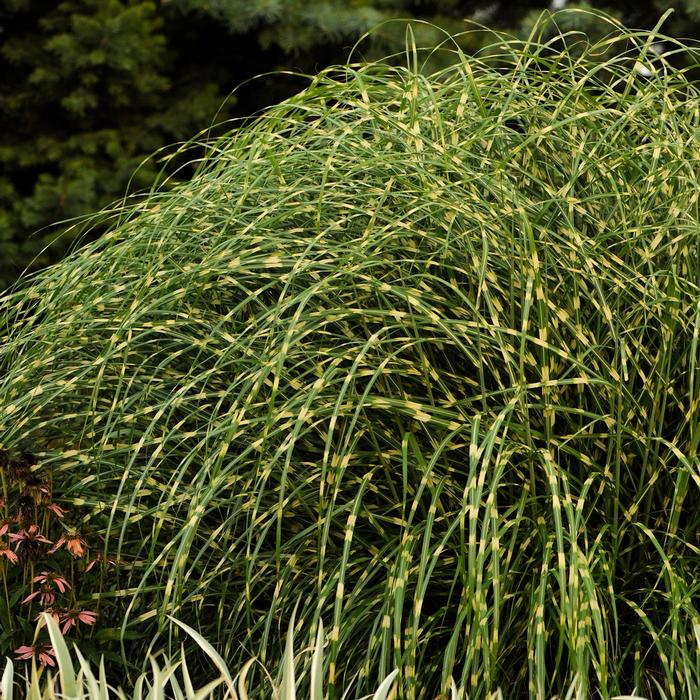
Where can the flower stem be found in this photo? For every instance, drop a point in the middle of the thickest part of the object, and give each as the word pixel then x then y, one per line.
pixel 7 596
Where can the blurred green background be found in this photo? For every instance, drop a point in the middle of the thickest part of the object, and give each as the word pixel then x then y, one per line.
pixel 91 89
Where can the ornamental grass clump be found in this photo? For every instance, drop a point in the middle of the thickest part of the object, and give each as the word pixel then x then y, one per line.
pixel 419 349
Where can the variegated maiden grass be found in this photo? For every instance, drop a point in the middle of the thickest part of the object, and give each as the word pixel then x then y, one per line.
pixel 420 349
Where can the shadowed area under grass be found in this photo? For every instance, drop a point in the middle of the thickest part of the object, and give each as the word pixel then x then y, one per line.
pixel 420 349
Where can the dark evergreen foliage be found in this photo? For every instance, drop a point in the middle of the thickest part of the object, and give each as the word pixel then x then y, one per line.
pixel 90 88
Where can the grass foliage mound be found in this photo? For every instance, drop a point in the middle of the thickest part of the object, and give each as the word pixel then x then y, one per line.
pixel 420 351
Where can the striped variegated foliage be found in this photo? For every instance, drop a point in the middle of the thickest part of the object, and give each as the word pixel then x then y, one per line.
pixel 420 349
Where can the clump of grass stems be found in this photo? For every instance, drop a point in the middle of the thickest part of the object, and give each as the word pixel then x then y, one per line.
pixel 420 349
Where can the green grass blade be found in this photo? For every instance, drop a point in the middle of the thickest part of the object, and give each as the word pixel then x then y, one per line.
pixel 64 662
pixel 385 686
pixel 316 685
pixel 6 683
pixel 241 684
pixel 287 685
pixel 209 650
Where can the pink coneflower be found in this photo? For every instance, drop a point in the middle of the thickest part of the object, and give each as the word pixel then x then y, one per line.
pixel 4 527
pixel 75 544
pixel 56 510
pixel 31 534
pixel 43 652
pixel 9 554
pixel 100 558
pixel 72 617
pixel 51 578
pixel 46 593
